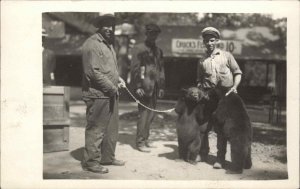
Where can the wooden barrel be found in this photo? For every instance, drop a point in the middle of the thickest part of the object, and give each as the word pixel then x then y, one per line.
pixel 56 119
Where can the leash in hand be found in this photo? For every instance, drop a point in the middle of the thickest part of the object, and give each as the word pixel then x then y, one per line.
pixel 137 101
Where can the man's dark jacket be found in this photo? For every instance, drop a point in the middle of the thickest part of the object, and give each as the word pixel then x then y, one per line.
pixel 100 72
pixel 153 75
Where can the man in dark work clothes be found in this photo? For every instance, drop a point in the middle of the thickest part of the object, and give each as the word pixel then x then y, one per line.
pixel 100 93
pixel 148 80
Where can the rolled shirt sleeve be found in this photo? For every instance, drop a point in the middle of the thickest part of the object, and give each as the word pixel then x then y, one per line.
pixel 233 65
pixel 226 78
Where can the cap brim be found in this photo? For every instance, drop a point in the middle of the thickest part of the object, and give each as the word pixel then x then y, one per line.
pixel 215 34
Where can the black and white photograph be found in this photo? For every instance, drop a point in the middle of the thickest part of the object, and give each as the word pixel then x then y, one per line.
pixel 105 75
pixel 145 95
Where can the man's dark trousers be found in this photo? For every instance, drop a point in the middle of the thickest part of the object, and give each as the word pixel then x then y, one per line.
pixel 101 132
pixel 221 139
pixel 210 107
pixel 145 119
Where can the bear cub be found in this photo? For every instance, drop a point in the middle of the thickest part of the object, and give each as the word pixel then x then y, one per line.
pixel 191 126
pixel 231 122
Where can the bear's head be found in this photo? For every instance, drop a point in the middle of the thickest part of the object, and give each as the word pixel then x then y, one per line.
pixel 190 98
pixel 194 94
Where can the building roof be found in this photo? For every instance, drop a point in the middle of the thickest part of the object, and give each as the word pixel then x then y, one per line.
pixel 76 20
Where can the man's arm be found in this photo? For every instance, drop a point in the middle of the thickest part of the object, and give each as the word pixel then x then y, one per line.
pixel 161 84
pixel 136 72
pixel 236 71
pixel 236 81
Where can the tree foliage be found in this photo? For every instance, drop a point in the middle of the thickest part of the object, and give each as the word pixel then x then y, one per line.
pixel 169 19
pixel 219 20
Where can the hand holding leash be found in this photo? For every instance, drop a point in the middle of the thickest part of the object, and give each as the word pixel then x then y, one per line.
pixel 233 89
pixel 137 101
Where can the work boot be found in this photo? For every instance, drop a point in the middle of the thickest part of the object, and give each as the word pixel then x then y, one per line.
pixel 95 169
pixel 143 149
pixel 217 165
pixel 149 144
pixel 115 162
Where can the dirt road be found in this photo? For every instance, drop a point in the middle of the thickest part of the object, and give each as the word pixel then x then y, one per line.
pixel 162 163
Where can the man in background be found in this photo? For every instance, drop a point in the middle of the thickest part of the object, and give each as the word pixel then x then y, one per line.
pixel 48 62
pixel 148 81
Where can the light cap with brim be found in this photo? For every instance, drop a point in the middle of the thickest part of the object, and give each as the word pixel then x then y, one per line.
pixel 210 31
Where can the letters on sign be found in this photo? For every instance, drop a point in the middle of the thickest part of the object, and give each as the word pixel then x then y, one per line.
pixel 196 46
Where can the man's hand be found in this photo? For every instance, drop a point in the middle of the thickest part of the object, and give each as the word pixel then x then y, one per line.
pixel 140 92
pixel 161 93
pixel 121 83
pixel 233 89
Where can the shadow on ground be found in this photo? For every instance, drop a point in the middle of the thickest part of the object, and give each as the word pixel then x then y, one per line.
pixel 163 128
pixel 174 155
pixel 269 135
pixel 170 155
pixel 77 154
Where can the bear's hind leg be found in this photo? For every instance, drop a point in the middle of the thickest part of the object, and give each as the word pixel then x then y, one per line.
pixel 238 155
pixel 193 150
pixel 182 152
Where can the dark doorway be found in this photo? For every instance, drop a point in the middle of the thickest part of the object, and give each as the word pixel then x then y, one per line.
pixel 179 73
pixel 68 71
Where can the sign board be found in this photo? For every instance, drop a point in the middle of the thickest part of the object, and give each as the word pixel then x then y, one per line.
pixel 196 46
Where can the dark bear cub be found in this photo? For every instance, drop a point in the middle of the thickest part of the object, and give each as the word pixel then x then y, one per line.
pixel 232 123
pixel 191 126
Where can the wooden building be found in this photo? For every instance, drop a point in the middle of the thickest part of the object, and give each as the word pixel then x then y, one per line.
pixel 259 53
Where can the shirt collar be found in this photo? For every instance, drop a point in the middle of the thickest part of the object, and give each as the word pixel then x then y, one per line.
pixel 214 53
pixel 101 39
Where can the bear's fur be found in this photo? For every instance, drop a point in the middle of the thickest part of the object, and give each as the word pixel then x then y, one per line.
pixel 231 122
pixel 191 126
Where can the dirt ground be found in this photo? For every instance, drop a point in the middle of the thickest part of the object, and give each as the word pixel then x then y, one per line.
pixel 162 163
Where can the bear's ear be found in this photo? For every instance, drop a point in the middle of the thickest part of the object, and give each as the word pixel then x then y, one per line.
pixel 203 95
pixel 184 90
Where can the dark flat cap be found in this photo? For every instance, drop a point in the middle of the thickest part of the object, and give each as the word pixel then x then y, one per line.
pixel 152 28
pixel 105 19
pixel 210 31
